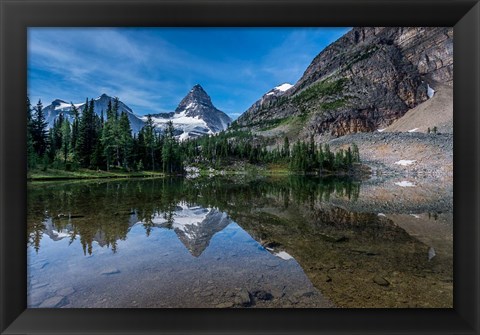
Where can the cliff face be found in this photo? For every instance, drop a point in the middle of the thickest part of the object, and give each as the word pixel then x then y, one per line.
pixel 364 81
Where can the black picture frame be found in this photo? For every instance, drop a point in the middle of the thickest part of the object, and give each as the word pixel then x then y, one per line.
pixel 17 15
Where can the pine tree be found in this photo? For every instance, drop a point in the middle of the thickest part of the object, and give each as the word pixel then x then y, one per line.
pixel 31 156
pixel 168 150
pixel 125 138
pixel 85 141
pixel 108 138
pixel 355 153
pixel 97 160
pixel 39 130
pixel 149 137
pixel 66 141
pixel 286 147
pixel 74 136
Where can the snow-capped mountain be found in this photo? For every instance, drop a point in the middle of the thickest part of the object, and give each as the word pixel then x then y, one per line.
pixel 99 104
pixel 194 225
pixel 195 116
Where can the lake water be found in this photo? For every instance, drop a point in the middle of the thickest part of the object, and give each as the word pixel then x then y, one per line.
pixel 239 242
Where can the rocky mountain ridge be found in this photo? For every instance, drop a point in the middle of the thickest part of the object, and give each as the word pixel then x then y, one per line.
pixel 195 115
pixel 100 104
pixel 364 81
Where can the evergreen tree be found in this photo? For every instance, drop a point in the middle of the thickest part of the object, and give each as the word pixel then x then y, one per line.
pixel 125 138
pixel 31 156
pixel 149 137
pixel 286 147
pixel 355 153
pixel 66 141
pixel 108 137
pixel 86 130
pixel 97 160
pixel 74 136
pixel 39 130
pixel 168 150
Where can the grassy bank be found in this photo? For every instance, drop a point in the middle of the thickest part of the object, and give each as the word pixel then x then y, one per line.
pixel 53 174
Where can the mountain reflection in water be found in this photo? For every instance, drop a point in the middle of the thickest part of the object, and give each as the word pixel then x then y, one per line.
pixel 222 242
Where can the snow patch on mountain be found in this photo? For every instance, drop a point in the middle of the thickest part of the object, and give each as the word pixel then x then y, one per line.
pixel 283 87
pixel 280 89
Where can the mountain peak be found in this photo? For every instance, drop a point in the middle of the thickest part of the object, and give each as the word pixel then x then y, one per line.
pixel 195 97
pixel 197 92
pixel 103 96
pixel 198 105
pixel 197 87
pixel 58 102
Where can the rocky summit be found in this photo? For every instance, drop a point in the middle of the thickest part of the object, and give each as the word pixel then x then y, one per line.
pixel 363 82
pixel 194 116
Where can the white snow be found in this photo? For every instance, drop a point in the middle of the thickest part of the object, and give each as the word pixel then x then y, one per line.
pixel 60 234
pixel 184 136
pixel 430 91
pixel 284 87
pixel 191 105
pixel 416 216
pixel 188 217
pixel 67 105
pixel 405 162
pixel 283 255
pixel 185 218
pixel 189 125
pixel 380 130
pixel 413 130
pixel 280 88
pixel 405 183
pixel 381 214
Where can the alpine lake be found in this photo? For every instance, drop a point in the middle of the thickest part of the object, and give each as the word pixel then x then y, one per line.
pixel 240 241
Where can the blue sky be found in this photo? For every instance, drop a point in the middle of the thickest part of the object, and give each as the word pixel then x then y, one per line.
pixel 152 69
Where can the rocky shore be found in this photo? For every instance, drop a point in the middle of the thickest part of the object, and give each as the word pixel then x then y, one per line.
pixel 413 154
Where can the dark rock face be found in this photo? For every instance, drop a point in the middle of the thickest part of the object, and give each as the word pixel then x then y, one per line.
pixel 364 81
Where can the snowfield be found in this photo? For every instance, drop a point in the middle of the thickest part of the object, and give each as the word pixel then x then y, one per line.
pixel 191 126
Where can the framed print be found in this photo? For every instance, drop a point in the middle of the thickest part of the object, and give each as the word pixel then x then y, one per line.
pixel 239 167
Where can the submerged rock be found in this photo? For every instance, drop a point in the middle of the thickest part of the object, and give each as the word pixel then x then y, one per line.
pixel 110 271
pixel 381 281
pixel 53 302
